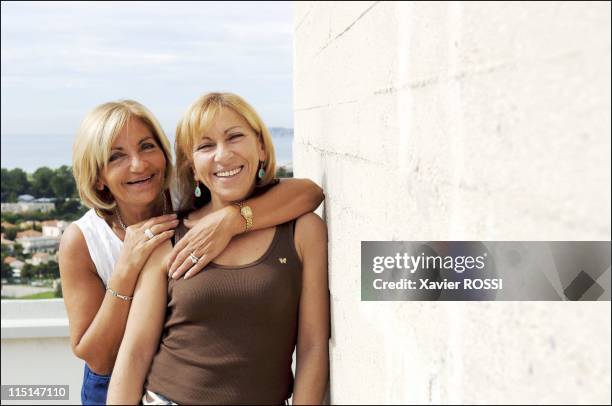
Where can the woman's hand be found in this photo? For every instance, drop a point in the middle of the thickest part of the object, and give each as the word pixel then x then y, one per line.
pixel 206 239
pixel 137 247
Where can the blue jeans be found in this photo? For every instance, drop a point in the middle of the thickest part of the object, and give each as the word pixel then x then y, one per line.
pixel 94 388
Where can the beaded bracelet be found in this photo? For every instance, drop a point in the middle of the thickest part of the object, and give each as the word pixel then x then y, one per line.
pixel 115 294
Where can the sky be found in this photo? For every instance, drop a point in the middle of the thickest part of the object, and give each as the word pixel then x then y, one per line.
pixel 61 59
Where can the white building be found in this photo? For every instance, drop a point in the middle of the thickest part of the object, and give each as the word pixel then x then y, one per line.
pixel 41 258
pixel 39 244
pixel 24 207
pixel 54 228
pixel 17 266
pixel 25 198
pixel 8 243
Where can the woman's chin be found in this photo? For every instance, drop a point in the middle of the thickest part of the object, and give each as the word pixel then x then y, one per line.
pixel 228 196
pixel 142 199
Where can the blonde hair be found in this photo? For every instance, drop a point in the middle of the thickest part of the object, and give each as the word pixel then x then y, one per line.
pixel 92 147
pixel 196 121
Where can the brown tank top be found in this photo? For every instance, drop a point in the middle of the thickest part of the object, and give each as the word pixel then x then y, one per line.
pixel 230 331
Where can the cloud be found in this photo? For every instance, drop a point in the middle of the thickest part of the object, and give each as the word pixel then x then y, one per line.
pixel 70 56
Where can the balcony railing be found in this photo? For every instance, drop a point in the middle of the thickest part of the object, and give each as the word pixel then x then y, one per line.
pixel 36 348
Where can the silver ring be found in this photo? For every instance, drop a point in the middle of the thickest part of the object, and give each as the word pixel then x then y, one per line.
pixel 193 258
pixel 148 233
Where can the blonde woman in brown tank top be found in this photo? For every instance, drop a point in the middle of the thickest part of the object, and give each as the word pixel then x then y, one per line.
pixel 227 336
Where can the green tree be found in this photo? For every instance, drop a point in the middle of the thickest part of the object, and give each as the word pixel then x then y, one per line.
pixel 10 233
pixel 10 217
pixel 58 289
pixel 281 172
pixel 50 270
pixel 18 251
pixel 7 271
pixel 41 182
pixel 28 272
pixel 14 183
pixel 69 210
pixel 63 184
pixel 4 189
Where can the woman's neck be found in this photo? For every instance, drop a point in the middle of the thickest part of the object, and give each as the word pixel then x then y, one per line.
pixel 216 203
pixel 132 214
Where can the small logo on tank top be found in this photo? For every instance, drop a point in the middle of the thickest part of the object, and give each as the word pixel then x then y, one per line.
pixel 282 260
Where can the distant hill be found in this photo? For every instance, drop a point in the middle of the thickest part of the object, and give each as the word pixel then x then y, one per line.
pixel 281 132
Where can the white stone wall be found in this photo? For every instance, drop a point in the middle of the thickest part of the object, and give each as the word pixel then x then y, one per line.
pixel 457 121
pixel 36 348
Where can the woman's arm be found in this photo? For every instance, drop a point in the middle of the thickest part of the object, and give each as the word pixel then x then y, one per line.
pixel 142 333
pixel 312 367
pixel 210 235
pixel 97 320
pixel 92 313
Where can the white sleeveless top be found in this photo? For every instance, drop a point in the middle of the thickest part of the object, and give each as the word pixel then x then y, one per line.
pixel 102 243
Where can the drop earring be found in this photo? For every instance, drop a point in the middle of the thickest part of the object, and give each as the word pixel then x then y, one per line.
pixel 261 173
pixel 197 192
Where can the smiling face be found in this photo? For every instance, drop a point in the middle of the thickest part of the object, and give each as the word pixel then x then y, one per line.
pixel 136 167
pixel 226 158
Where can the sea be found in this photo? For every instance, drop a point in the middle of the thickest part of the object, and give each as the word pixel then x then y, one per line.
pixel 30 152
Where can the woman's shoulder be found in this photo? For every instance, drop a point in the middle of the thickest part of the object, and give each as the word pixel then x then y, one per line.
pixel 72 239
pixel 310 222
pixel 73 252
pixel 310 231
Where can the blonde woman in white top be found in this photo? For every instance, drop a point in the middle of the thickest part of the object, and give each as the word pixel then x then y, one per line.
pixel 122 165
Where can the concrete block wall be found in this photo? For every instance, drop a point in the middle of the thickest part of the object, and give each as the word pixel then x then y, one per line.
pixel 457 121
pixel 36 349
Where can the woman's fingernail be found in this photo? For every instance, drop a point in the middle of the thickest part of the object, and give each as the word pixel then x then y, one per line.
pixel 186 276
